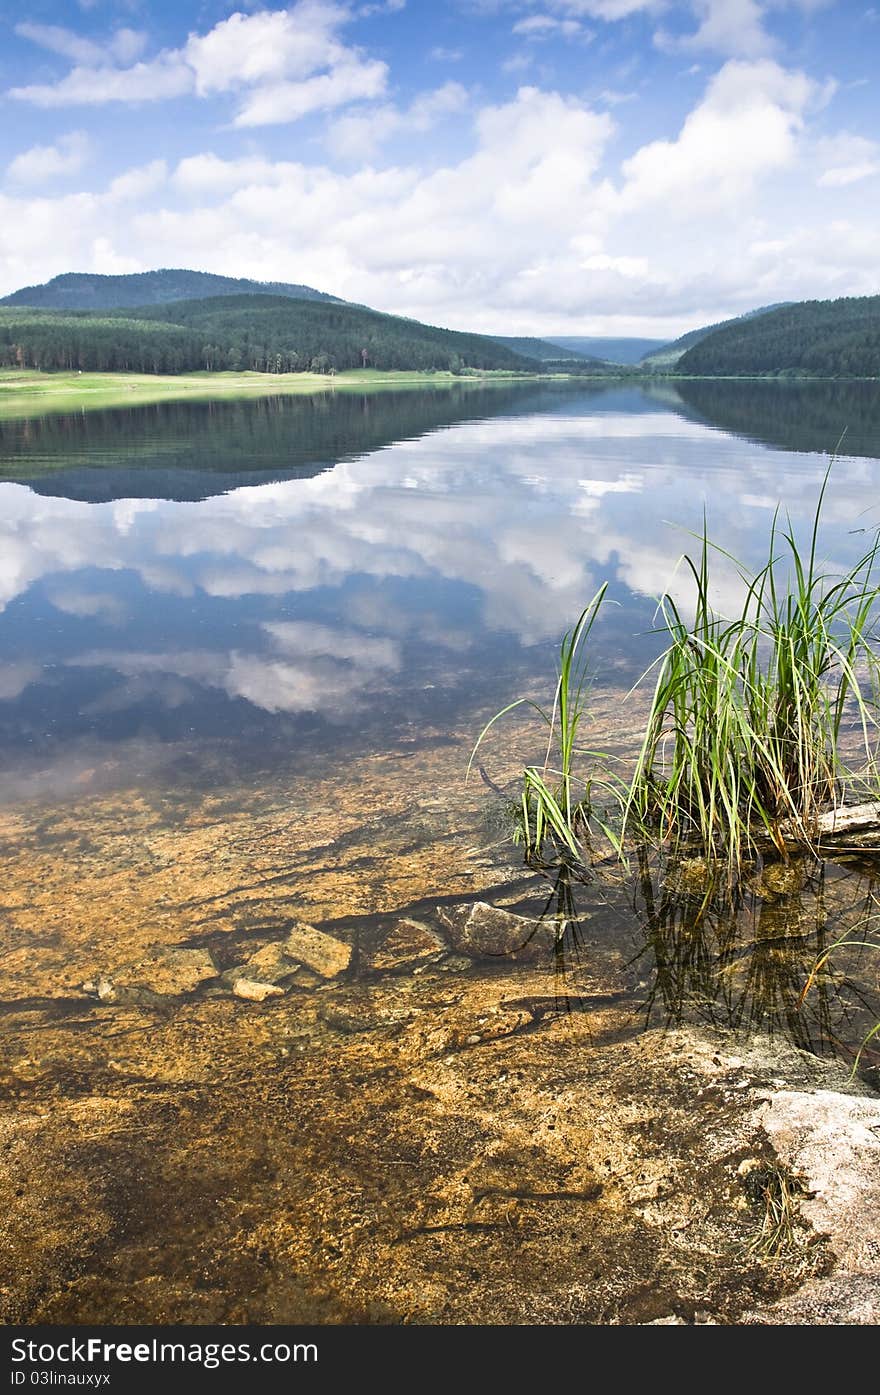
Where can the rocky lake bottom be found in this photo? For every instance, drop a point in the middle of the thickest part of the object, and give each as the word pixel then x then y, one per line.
pixel 263 1068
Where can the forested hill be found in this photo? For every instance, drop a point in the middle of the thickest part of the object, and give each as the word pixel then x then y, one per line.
pixel 85 291
pixel 249 331
pixel 273 334
pixel 670 354
pixel 52 339
pixel 819 338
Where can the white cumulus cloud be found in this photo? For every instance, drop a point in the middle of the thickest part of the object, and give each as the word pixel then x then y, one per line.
pixel 745 126
pixel 847 159
pixel 44 162
pixel 277 65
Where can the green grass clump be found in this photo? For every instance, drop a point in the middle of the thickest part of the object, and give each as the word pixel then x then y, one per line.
pixel 743 738
pixel 743 735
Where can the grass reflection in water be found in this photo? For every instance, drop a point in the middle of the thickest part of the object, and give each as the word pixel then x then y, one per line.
pixel 737 955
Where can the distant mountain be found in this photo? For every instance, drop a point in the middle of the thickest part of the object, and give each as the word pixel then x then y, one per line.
pixel 262 333
pixel 543 350
pixel 817 338
pixel 610 350
pixel 668 355
pixel 85 291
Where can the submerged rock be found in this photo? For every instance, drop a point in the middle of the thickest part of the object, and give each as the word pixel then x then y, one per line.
pixel 271 964
pixel 163 972
pixel 254 991
pixel 322 953
pixel 363 1013
pixel 407 945
pixel 689 876
pixel 779 879
pixel 128 995
pixel 482 931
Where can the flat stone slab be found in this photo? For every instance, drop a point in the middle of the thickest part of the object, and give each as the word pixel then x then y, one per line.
pixel 255 992
pixel 165 971
pixel 271 964
pixel 322 953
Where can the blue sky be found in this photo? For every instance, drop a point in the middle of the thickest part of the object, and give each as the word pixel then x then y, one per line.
pixel 511 166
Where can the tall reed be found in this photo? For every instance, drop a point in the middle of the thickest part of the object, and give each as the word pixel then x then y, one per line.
pixel 743 736
pixel 556 801
pixel 744 729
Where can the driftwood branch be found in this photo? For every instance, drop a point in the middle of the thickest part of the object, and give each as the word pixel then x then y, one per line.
pixel 857 822
pixel 857 818
pixel 848 827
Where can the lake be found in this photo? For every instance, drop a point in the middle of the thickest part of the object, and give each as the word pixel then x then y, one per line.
pixel 251 582
pixel 246 650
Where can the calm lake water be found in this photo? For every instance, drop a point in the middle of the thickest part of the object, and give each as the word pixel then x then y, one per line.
pixel 275 577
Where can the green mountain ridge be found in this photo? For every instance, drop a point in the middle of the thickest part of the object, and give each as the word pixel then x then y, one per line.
pixel 818 338
pixel 275 327
pixel 77 290
pixel 669 354
pixel 241 332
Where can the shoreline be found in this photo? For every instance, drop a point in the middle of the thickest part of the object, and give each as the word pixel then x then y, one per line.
pixel 34 392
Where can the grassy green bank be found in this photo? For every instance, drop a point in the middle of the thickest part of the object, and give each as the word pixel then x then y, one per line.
pixel 29 392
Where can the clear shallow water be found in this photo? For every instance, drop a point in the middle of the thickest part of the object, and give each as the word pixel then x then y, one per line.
pixel 301 574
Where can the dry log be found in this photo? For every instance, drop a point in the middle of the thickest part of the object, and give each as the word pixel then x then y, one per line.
pixel 856 818
pixel 855 825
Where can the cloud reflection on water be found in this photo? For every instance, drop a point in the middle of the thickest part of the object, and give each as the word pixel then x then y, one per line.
pixel 306 594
